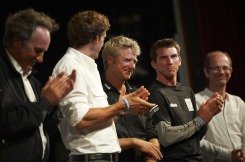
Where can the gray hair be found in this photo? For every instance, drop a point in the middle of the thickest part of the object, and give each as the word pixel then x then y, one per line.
pixel 24 22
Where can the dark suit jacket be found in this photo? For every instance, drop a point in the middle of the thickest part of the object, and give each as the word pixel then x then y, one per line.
pixel 20 119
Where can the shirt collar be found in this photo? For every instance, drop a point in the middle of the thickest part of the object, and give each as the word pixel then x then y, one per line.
pixel 16 65
pixel 210 93
pixel 81 57
pixel 109 87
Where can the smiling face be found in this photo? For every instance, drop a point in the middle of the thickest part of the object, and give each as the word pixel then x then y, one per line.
pixel 219 71
pixel 30 52
pixel 123 65
pixel 166 64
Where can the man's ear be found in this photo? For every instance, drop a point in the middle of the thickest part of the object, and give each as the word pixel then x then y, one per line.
pixel 206 72
pixel 110 60
pixel 17 43
pixel 96 40
pixel 153 64
pixel 180 60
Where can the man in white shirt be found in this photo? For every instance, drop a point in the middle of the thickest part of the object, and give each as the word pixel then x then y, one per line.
pixel 225 137
pixel 88 130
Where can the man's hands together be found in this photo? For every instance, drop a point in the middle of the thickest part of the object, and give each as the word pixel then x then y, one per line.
pixel 57 88
pixel 210 108
pixel 137 101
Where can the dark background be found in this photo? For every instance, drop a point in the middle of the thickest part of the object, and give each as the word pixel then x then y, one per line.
pixel 204 26
pixel 143 21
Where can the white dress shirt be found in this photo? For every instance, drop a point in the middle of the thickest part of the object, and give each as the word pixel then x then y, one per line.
pixel 87 93
pixel 226 131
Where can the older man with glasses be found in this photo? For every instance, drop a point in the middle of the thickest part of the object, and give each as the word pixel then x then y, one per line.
pixel 225 137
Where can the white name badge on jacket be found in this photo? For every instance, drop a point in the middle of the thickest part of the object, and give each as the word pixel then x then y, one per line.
pixel 189 104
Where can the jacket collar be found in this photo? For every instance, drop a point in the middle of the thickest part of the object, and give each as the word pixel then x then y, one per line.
pixel 109 87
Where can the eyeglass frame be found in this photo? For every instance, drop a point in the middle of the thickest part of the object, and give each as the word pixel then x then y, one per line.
pixel 216 68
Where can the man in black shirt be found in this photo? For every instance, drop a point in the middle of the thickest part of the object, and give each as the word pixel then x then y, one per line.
pixel 120 57
pixel 178 123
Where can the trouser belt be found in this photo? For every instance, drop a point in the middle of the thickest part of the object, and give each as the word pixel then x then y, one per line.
pixel 87 157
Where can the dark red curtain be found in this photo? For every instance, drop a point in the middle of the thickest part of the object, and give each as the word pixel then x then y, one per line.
pixel 221 26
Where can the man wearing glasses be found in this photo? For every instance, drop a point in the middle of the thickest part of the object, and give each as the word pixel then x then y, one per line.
pixel 225 137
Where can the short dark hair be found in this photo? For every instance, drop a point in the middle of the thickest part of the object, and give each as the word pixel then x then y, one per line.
pixel 85 26
pixel 163 43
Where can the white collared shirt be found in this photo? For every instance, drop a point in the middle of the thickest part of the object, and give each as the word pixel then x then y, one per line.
pixel 88 92
pixel 226 130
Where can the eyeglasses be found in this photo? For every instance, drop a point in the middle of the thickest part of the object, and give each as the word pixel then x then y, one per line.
pixel 216 68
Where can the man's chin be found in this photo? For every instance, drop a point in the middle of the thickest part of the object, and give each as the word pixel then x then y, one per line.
pixel 127 77
pixel 27 70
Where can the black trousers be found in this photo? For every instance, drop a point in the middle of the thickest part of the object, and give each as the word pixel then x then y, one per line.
pixel 103 157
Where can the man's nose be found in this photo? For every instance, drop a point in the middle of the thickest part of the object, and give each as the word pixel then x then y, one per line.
pixel 40 57
pixel 132 64
pixel 169 59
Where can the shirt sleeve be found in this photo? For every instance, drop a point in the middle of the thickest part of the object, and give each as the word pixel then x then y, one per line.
pixel 74 105
pixel 169 133
pixel 211 150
